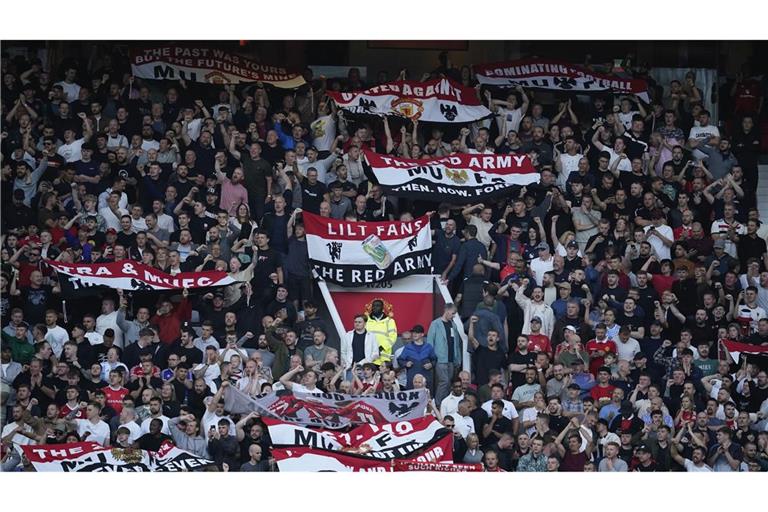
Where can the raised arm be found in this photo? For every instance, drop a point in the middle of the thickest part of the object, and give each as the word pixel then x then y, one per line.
pixel 596 138
pixel 388 135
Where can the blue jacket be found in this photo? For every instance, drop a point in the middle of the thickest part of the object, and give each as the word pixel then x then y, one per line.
pixel 467 258
pixel 419 355
pixel 286 139
pixel 436 337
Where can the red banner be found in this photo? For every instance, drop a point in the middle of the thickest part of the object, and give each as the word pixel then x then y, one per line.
pixel 306 459
pixel 407 465
pixel 383 441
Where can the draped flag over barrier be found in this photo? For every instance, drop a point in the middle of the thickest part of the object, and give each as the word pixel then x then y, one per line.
pixel 330 410
pixel 385 441
pixel 303 458
pixel 92 457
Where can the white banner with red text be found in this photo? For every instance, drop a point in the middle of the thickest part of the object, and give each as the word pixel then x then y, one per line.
pixel 440 100
pixel 557 75
pixel 92 457
pixel 306 459
pixel 460 178
pixel 132 275
pixel 330 410
pixel 202 64
pixel 385 441
pixel 356 253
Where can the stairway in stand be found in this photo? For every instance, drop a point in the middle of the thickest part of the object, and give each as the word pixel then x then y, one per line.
pixel 762 193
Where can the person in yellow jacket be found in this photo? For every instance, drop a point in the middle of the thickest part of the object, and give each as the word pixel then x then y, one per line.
pixel 385 330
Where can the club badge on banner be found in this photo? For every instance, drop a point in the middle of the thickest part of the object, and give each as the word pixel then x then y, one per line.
pixel 132 275
pixel 460 178
pixel 440 100
pixel 386 441
pixel 202 64
pixel 557 75
pixel 330 410
pixel 357 253
pixel 92 457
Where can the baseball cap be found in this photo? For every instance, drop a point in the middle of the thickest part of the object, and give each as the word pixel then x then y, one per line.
pixel 574 386
pixel 644 448
pixel 570 328
pixel 211 191
pixel 542 246
pixel 564 285
pixel 572 243
pixel 536 319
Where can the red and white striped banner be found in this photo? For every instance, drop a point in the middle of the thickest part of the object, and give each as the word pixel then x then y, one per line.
pixel 303 458
pixel 383 441
pixel 132 275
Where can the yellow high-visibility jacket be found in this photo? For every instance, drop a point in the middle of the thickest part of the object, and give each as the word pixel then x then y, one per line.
pixel 386 335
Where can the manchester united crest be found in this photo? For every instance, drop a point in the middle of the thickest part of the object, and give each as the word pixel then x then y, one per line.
pixel 408 107
pixel 458 176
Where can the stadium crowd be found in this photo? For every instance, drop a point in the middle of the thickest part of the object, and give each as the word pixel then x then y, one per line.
pixel 595 302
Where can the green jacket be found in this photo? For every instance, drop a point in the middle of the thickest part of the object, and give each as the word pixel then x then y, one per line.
pixel 21 350
pixel 282 357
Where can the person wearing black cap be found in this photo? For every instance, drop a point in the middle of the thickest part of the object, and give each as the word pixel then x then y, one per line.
pixel 643 460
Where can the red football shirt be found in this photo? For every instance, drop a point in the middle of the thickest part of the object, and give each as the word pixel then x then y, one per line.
pixel 598 392
pixel 596 361
pixel 539 343
pixel 115 397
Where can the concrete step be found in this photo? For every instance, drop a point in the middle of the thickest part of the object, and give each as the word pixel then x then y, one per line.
pixel 762 192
